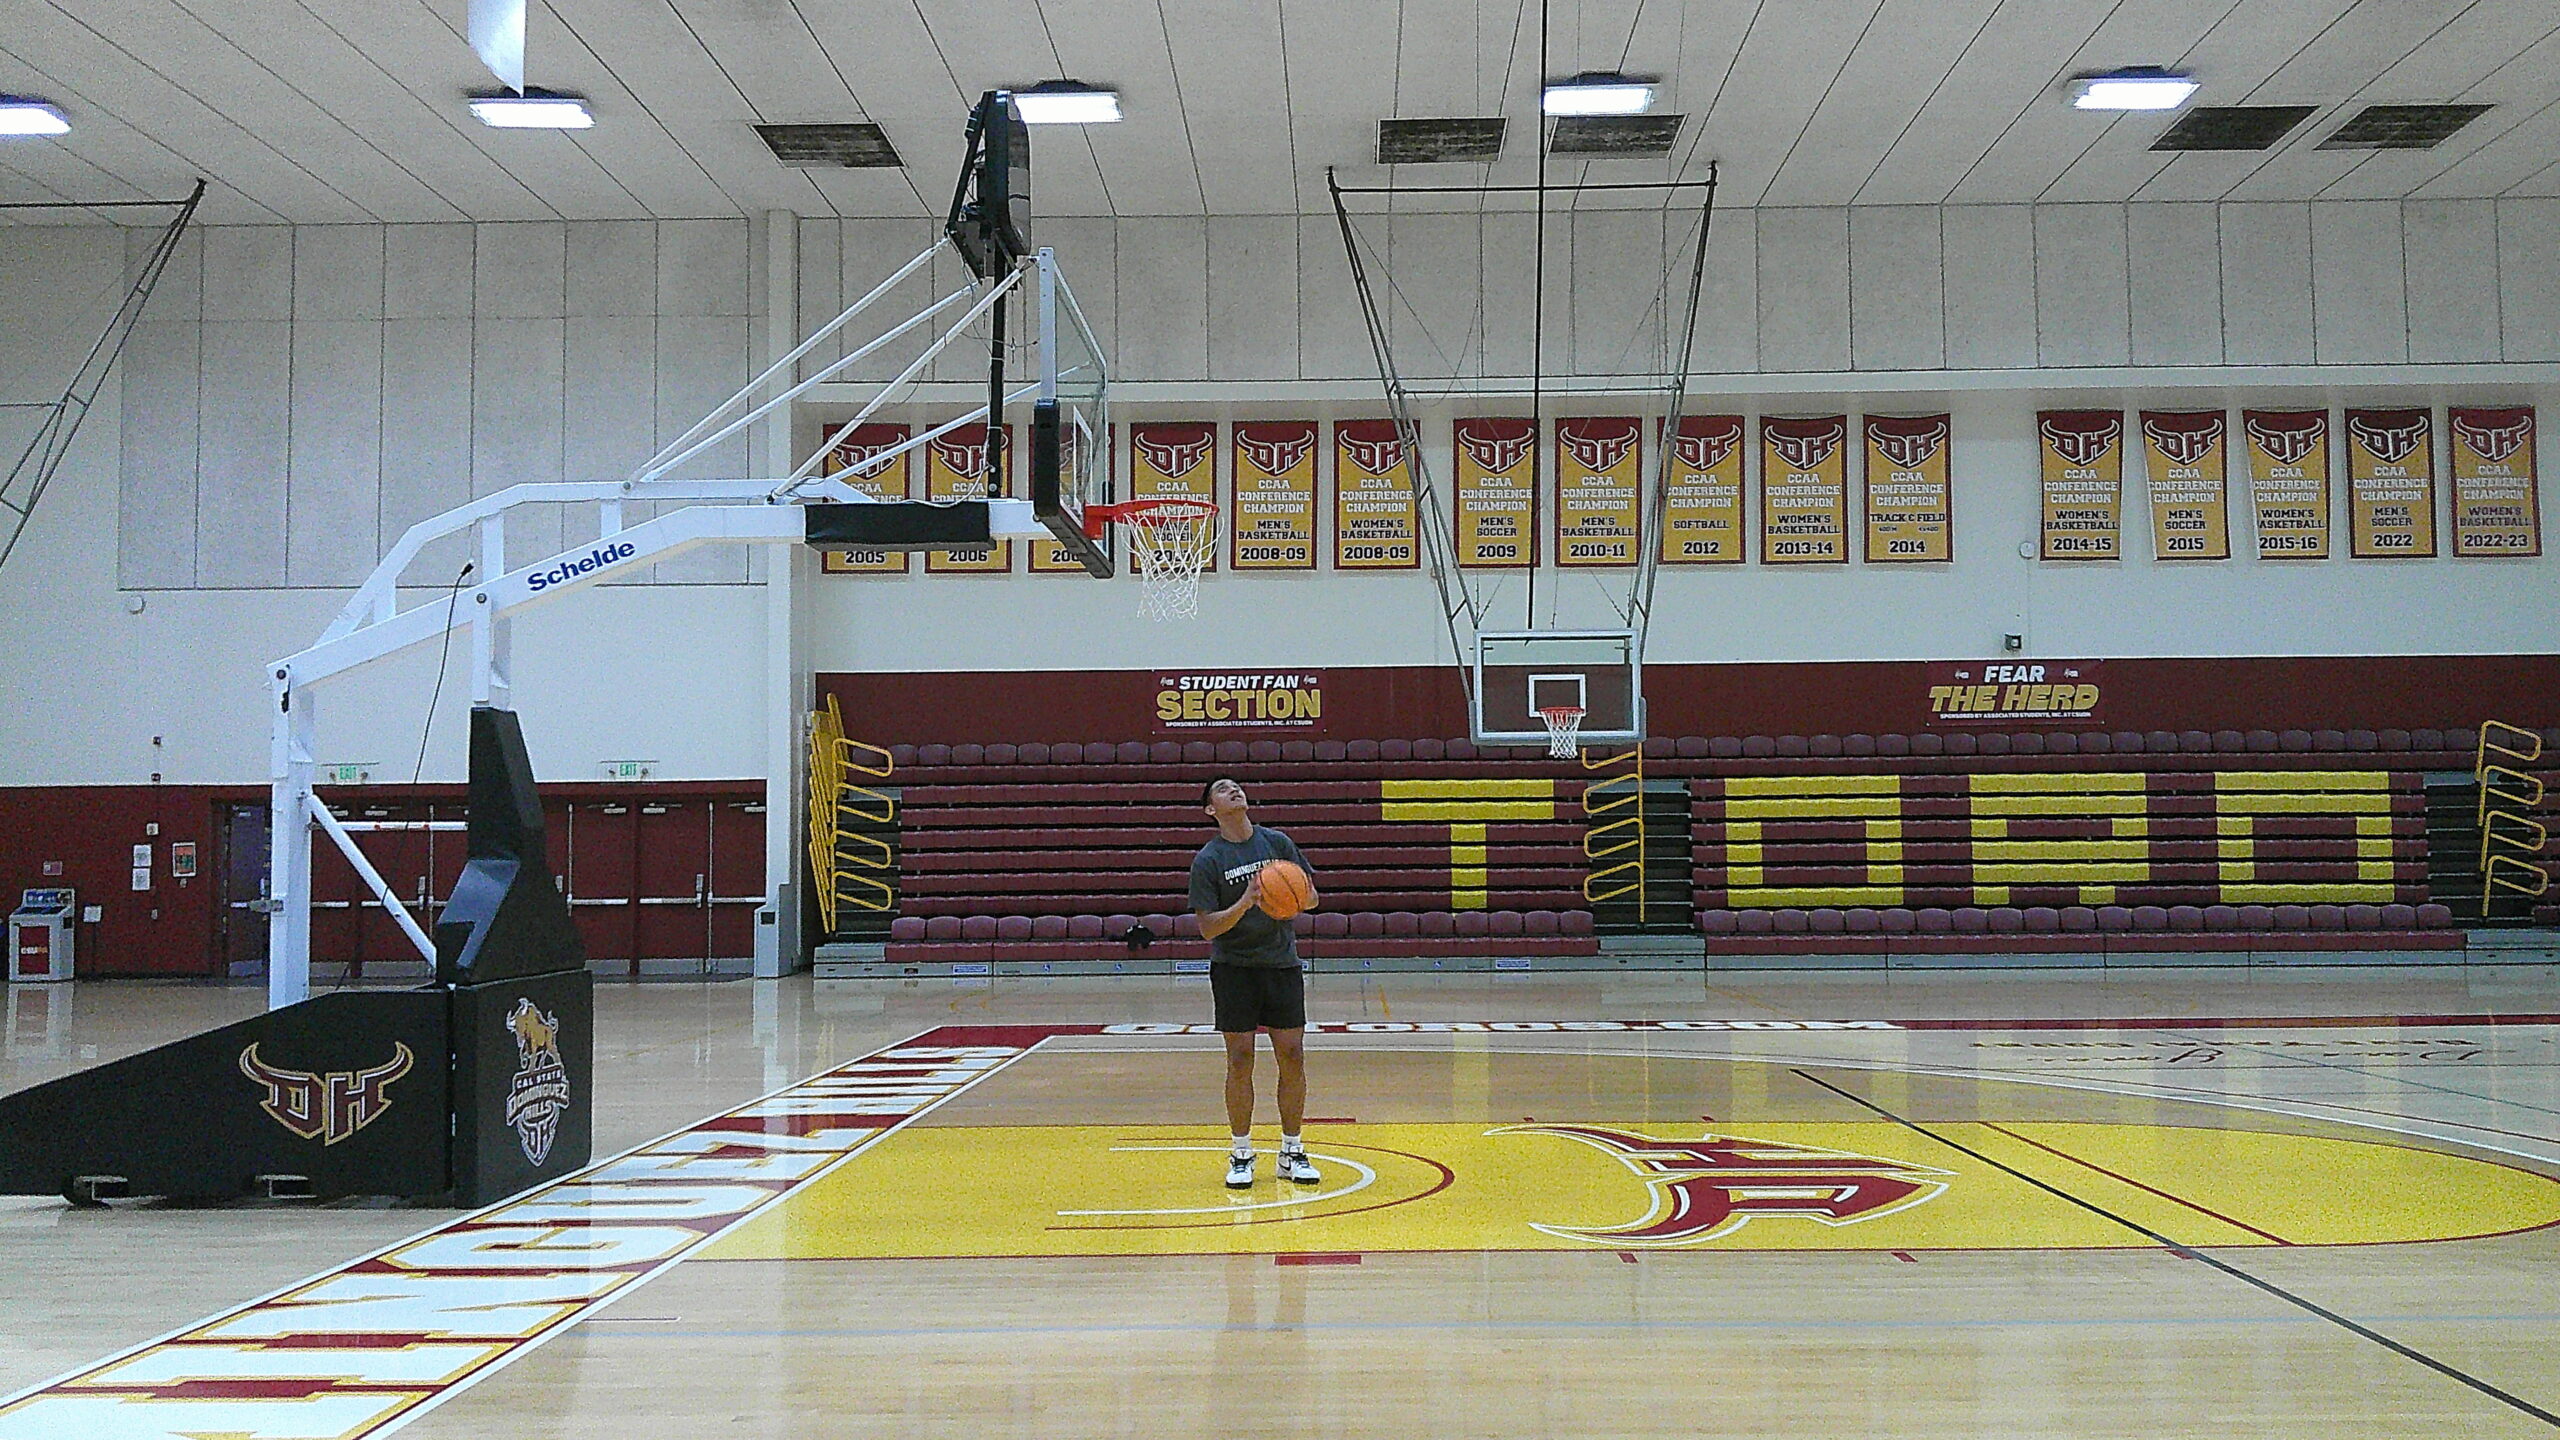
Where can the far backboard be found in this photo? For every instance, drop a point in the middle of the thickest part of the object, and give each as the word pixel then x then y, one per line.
pixel 1070 421
pixel 1517 672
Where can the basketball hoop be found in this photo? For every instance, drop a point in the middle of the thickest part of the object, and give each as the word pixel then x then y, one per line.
pixel 1172 539
pixel 1564 725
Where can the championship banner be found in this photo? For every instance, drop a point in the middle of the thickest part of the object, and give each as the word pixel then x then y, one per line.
pixel 1910 505
pixel 1272 525
pixel 1374 517
pixel 1599 482
pixel 2083 484
pixel 2495 509
pixel 1497 492
pixel 1175 460
pixel 1804 490
pixel 2391 485
pixel 1702 499
pixel 1048 557
pixel 2187 472
pixel 955 468
pixel 850 458
pixel 2289 482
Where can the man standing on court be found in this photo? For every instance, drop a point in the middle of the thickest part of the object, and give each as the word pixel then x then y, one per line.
pixel 1255 976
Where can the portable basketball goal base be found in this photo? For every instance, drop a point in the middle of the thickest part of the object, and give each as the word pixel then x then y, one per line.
pixel 989 227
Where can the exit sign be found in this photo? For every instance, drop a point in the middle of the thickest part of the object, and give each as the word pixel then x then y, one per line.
pixel 348 772
pixel 627 769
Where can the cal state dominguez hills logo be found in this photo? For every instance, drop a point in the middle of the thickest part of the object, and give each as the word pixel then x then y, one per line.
pixel 1712 1186
pixel 539 1094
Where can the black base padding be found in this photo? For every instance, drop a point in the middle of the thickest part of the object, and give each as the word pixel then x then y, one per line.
pixel 524 1083
pixel 348 1091
pixel 962 525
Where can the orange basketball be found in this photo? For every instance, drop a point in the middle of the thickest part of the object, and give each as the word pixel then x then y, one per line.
pixel 1285 889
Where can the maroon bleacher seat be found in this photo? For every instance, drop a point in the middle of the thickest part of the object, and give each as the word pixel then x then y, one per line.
pixel 2096 742
pixel 2432 916
pixel 2392 739
pixel 1474 924
pixel 1402 925
pixel 1963 742
pixel 1825 746
pixel 1793 747
pixel 2007 920
pixel 2328 917
pixel 1297 751
pixel 1329 751
pixel 2262 742
pixel 1719 922
pixel 2327 742
pixel 1898 920
pixel 2151 917
pixel 2061 742
pixel 1933 920
pixel 2115 917
pixel 2127 742
pixel 1503 923
pixel 942 927
pixel 1395 750
pixel 1758 747
pixel 1726 747
pixel 2221 917
pixel 2292 917
pixel 1437 924
pixel 1034 753
pixel 933 754
pixel 1002 754
pixel 1792 922
pixel 1540 922
pixel 1231 752
pixel 1862 920
pixel 1135 752
pixel 2363 741
pixel 2228 742
pixel 1858 747
pixel 1575 923
pixel 2363 917
pixel 978 927
pixel 1693 747
pixel 1992 743
pixel 1066 752
pixel 2079 920
pixel 968 754
pixel 2042 920
pixel 1329 923
pixel 1360 750
pixel 1430 749
pixel 1660 747
pixel 901 755
pixel 908 927
pixel 1175 752
pixel 2399 917
pixel 2186 918
pixel 1461 749
pixel 1894 745
pixel 1185 925
pixel 1827 921
pixel 1009 927
pixel 2294 742
pixel 1755 922
pixel 2254 917
pixel 1971 920
pixel 1049 927
pixel 1084 927
pixel 1367 925
pixel 2426 740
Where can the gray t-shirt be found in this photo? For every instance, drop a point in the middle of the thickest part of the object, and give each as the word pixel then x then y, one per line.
pixel 1218 876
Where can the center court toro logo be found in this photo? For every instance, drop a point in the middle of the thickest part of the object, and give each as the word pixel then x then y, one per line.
pixel 1715 1184
pixel 539 1094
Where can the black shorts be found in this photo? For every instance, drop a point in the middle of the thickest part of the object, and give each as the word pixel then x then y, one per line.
pixel 1259 997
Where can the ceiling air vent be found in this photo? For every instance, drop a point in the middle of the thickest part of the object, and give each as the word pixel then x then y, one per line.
pixel 1433 142
pixel 2233 127
pixel 2402 127
pixel 1615 137
pixel 831 147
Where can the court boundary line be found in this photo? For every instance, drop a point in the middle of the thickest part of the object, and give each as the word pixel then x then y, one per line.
pixel 2408 1352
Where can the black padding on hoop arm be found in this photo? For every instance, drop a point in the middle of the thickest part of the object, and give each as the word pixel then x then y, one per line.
pixel 902 525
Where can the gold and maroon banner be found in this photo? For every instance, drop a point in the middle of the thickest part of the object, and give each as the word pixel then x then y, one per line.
pixel 1374 519
pixel 852 452
pixel 2391 484
pixel 1175 460
pixel 2083 484
pixel 2495 509
pixel 1702 501
pixel 1909 502
pixel 1048 557
pixel 1273 522
pixel 1599 470
pixel 2187 472
pixel 955 468
pixel 2289 482
pixel 1804 490
pixel 1497 492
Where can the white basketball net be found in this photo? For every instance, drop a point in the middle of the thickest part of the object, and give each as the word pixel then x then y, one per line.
pixel 1172 542
pixel 1564 729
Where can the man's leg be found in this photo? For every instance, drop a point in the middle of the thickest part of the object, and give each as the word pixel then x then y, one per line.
pixel 1240 1083
pixel 1289 1048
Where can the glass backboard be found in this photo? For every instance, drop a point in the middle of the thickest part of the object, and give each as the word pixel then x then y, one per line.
pixel 1519 672
pixel 1070 421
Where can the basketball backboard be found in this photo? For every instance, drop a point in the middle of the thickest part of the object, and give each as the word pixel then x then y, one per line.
pixel 1520 672
pixel 1070 421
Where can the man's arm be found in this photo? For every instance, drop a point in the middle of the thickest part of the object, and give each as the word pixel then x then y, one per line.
pixel 1214 921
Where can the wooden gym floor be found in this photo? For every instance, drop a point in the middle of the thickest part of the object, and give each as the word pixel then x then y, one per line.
pixel 2161 1203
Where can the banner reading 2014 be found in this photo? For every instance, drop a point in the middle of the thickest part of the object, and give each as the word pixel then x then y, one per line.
pixel 955 468
pixel 1497 492
pixel 1702 500
pixel 2391 484
pixel 1174 460
pixel 1598 465
pixel 2495 509
pixel 2188 481
pixel 852 457
pixel 2289 482
pixel 1804 490
pixel 1374 517
pixel 2083 483
pixel 1909 513
pixel 1274 521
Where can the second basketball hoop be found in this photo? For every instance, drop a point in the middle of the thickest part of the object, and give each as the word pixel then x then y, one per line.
pixel 1171 539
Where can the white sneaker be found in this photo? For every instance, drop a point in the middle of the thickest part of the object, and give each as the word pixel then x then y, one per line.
pixel 1240 1171
pixel 1295 1166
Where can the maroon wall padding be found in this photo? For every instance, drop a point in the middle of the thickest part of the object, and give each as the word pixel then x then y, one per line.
pixel 1828 698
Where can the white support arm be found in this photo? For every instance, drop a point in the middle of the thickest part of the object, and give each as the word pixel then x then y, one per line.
pixel 381 888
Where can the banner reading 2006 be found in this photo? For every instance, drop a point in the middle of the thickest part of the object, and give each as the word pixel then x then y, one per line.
pixel 1497 492
pixel 1804 490
pixel 1598 465
pixel 1702 501
pixel 955 468
pixel 2289 482
pixel 2083 483
pixel 852 457
pixel 2188 481
pixel 2495 509
pixel 2391 484
pixel 1909 513
pixel 1176 460
pixel 1374 517
pixel 1274 520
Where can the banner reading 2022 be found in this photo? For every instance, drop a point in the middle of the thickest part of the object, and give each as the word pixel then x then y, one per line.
pixel 2391 485
pixel 1497 492
pixel 2495 509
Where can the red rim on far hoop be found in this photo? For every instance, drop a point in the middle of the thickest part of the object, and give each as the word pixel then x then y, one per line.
pixel 1172 538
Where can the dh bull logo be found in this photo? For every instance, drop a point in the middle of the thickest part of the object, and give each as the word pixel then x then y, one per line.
pixel 1806 449
pixel 2183 440
pixel 1496 453
pixel 1705 450
pixel 1374 455
pixel 1176 452
pixel 1595 449
pixel 2389 442
pixel 1711 1186
pixel 326 1107
pixel 2287 440
pixel 962 457
pixel 2077 447
pixel 869 461
pixel 1276 454
pixel 1908 449
pixel 539 1094
pixel 2493 440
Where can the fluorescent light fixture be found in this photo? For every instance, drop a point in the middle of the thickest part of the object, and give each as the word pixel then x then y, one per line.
pixel 1595 92
pixel 532 110
pixel 23 115
pixel 1067 102
pixel 2139 87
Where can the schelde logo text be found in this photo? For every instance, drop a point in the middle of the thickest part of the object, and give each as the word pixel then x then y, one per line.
pixel 587 564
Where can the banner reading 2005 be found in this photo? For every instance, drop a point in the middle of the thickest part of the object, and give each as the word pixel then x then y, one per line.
pixel 2495 510
pixel 1497 492
pixel 1374 517
pixel 2083 483
pixel 2188 481
pixel 852 452
pixel 2289 482
pixel 2391 484
pixel 1274 520
pixel 1909 513
pixel 1598 462
pixel 1804 490
pixel 1702 500
pixel 1177 460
